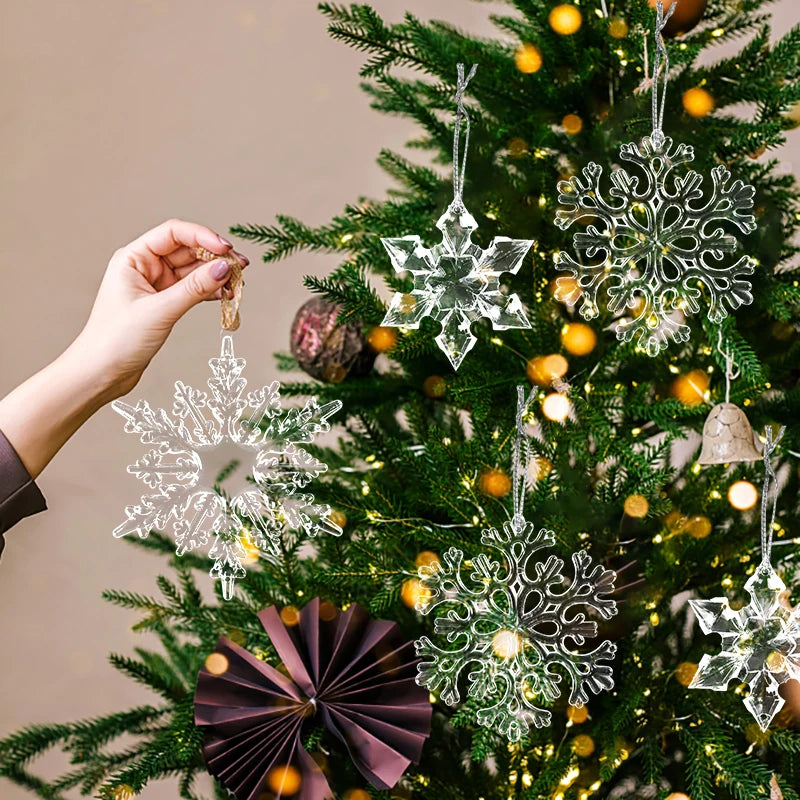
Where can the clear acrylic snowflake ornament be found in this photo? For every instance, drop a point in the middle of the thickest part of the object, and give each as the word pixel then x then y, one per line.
pixel 659 244
pixel 516 627
pixel 195 452
pixel 761 641
pixel 456 282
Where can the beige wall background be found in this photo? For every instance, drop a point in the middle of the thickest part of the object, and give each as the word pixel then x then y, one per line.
pixel 117 114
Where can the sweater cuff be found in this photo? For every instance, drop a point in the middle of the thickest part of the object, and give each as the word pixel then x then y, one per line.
pixel 19 495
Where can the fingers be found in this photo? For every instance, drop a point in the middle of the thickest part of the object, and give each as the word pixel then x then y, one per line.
pixel 174 235
pixel 183 266
pixel 202 283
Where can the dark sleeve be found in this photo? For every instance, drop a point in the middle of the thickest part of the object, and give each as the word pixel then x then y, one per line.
pixel 19 495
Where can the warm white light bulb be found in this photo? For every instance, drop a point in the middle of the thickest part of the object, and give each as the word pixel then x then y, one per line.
pixel 556 407
pixel 506 644
pixel 742 495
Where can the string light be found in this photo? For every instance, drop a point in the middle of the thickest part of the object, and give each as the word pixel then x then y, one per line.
pixel 571 776
pixel 252 553
pixel 698 102
pixel 742 495
pixel 217 664
pixel 284 780
pixel 427 558
pixel 618 28
pixel 517 147
pixel 691 388
pixel 528 58
pixel 565 289
pixel 577 714
pixel 290 616
pixel 565 19
pixel 542 370
pixel 357 794
pixel 413 591
pixel 338 517
pixel 506 644
pixel 556 407
pixel 495 483
pixel 675 522
pixel 636 506
pixel 434 386
pixel 382 338
pixel 583 745
pixel 578 338
pixel 539 468
pixel 698 527
pixel 572 124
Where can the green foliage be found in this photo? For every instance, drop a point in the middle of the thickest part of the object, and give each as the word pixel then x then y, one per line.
pixel 406 470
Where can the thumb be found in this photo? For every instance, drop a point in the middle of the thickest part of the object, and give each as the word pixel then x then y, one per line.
pixel 200 284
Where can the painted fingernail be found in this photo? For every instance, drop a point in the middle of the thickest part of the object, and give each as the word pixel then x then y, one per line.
pixel 219 269
pixel 225 241
pixel 243 258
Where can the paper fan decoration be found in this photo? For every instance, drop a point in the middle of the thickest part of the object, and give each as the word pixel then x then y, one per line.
pixel 342 669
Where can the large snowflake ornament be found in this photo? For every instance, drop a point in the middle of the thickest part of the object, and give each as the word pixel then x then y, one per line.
pixel 515 627
pixel 657 245
pixel 189 480
pixel 760 644
pixel 456 282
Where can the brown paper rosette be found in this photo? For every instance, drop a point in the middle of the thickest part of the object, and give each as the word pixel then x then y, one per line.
pixel 346 670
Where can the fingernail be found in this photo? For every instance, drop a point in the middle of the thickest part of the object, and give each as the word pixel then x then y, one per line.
pixel 243 258
pixel 225 241
pixel 219 269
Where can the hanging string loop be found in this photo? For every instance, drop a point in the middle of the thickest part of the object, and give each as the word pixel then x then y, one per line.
pixel 661 53
pixel 770 488
pixel 520 459
pixel 731 372
pixel 229 305
pixel 462 117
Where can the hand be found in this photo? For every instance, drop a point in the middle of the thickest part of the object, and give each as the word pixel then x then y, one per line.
pixel 148 286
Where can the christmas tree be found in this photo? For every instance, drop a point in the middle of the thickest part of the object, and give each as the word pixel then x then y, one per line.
pixel 424 462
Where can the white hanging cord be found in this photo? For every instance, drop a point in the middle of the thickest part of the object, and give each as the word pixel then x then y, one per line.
pixel 461 116
pixel 730 373
pixel 521 456
pixel 770 486
pixel 661 52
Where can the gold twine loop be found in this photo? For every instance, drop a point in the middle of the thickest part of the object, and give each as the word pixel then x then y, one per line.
pixel 230 305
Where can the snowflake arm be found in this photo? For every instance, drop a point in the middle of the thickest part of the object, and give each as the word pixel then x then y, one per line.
pixel 153 427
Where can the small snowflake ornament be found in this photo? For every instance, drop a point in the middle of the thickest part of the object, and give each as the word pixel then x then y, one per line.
pixel 517 626
pixel 761 641
pixel 456 282
pixel 183 468
pixel 760 644
pixel 659 244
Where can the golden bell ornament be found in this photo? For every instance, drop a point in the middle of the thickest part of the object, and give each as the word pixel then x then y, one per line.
pixel 727 437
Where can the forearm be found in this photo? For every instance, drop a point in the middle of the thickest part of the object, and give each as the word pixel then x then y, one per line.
pixel 41 414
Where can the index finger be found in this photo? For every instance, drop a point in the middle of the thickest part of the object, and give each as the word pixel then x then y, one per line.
pixel 173 234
